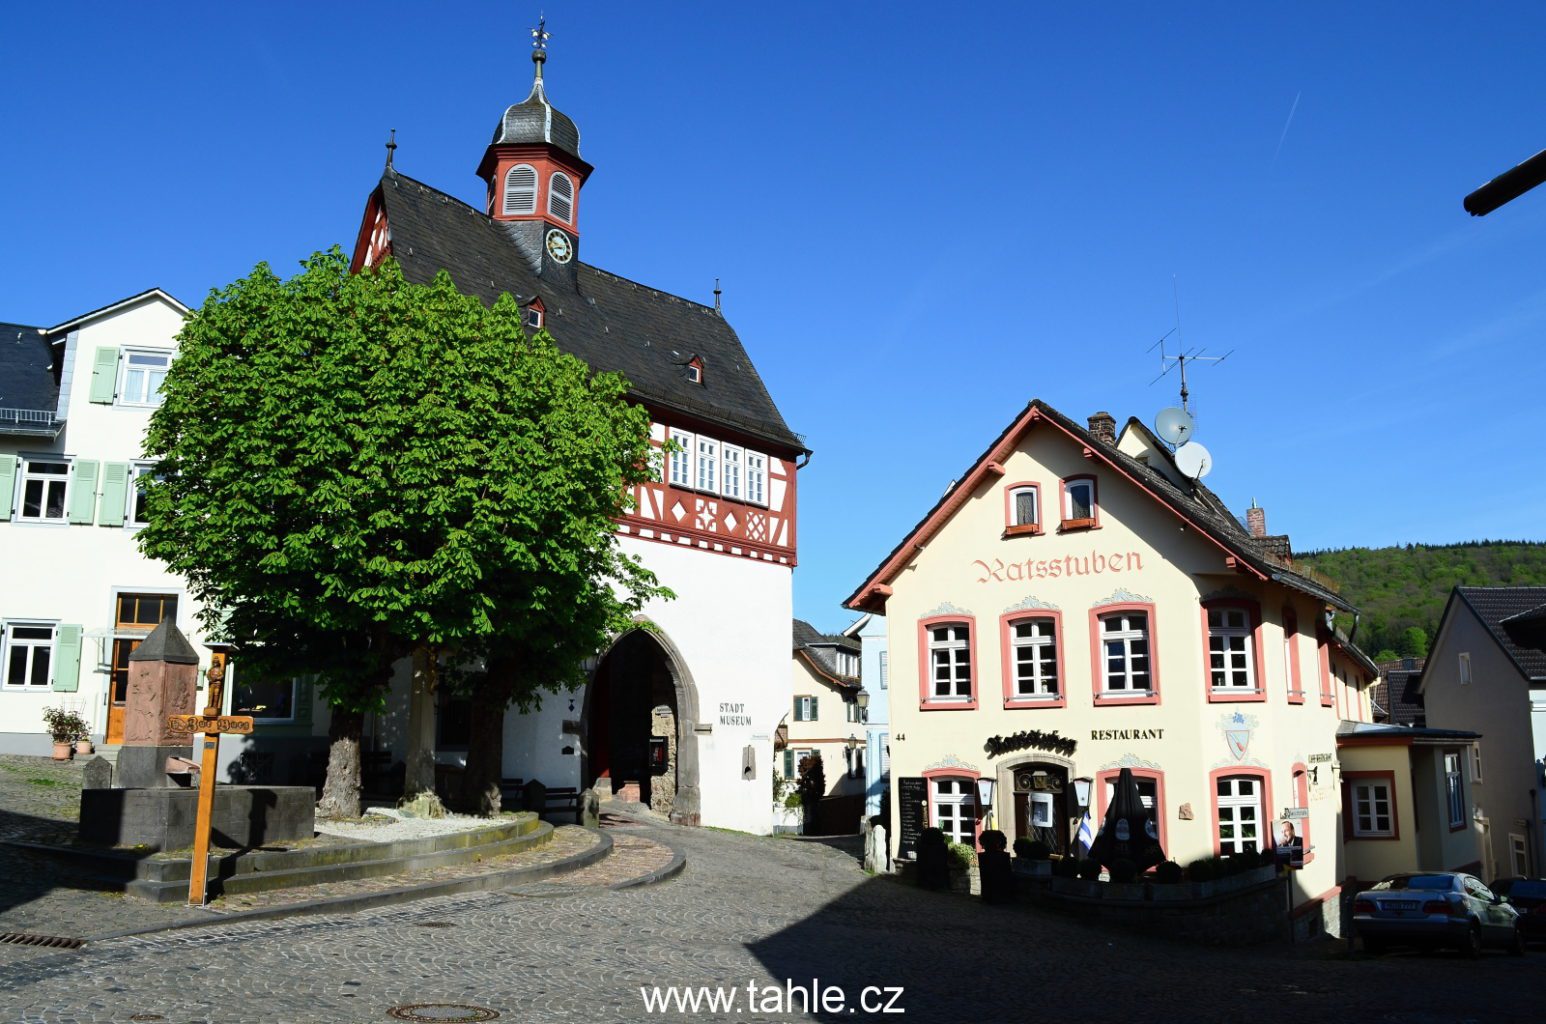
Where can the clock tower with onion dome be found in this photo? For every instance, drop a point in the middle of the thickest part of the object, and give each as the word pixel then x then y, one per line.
pixel 534 173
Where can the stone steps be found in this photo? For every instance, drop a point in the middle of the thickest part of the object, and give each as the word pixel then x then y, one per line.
pixel 165 880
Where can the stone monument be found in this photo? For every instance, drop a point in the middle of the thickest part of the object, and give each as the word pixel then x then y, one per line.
pixel 163 681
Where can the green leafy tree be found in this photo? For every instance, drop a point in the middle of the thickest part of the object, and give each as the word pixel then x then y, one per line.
pixel 353 468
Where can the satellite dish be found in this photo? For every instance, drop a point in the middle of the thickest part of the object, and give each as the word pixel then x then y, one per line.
pixel 1193 460
pixel 1174 425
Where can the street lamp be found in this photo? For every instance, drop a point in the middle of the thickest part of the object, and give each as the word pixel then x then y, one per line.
pixel 985 787
pixel 853 745
pixel 1082 790
pixel 862 698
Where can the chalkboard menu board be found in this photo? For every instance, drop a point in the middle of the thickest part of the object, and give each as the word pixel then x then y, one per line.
pixel 912 801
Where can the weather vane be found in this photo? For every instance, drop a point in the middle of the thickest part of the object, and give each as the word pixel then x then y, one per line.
pixel 539 35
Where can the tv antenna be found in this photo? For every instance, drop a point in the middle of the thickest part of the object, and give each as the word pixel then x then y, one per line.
pixel 1177 359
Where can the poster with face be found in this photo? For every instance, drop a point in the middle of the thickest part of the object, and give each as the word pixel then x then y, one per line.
pixel 1289 844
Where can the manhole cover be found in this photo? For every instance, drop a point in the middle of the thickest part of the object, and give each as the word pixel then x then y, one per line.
pixel 434 924
pixel 441 1012
pixel 146 1016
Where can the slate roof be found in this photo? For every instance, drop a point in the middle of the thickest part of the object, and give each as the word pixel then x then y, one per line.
pixel 1375 730
pixel 166 643
pixel 1493 605
pixel 26 369
pixel 535 120
pixel 820 648
pixel 1397 692
pixel 610 322
pixel 1196 504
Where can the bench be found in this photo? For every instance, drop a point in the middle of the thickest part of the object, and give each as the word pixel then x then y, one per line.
pixel 511 796
pixel 376 772
pixel 563 798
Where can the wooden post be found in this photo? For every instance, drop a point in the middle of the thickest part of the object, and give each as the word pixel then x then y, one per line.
pixel 211 724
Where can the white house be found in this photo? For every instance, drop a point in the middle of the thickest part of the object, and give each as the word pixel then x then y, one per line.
pixel 74 403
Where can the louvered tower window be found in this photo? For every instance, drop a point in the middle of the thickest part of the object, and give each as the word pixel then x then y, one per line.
pixel 521 189
pixel 561 196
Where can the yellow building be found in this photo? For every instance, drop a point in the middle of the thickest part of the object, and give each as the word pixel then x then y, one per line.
pixel 1075 605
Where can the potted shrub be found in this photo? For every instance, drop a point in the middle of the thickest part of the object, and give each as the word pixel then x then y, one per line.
pixel 1032 857
pixel 64 726
pixel 963 868
pixel 83 740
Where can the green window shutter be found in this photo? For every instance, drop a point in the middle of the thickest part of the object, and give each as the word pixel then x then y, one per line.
pixel 788 763
pixel 814 713
pixel 83 490
pixel 115 493
pixel 797 716
pixel 7 485
pixel 303 699
pixel 67 659
pixel 104 375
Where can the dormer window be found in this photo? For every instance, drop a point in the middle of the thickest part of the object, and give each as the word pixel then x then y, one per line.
pixel 1080 511
pixel 533 318
pixel 695 372
pixel 561 196
pixel 521 190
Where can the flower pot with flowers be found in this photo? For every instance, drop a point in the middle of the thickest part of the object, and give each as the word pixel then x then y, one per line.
pixel 65 726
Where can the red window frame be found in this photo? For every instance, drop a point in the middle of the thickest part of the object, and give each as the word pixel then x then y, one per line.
pixel 971 776
pixel 1323 656
pixel 1291 642
pixel 1007 663
pixel 1300 773
pixel 926 699
pixel 1268 818
pixel 1064 523
pixel 1098 658
pixel 1389 778
pixel 1013 529
pixel 1252 611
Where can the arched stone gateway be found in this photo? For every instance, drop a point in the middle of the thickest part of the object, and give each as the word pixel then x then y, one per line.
pixel 639 735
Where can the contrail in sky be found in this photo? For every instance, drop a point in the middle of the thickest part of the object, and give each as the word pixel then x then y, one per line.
pixel 1286 125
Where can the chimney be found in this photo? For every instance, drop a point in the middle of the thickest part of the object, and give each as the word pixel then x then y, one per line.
pixel 1256 520
pixel 1104 426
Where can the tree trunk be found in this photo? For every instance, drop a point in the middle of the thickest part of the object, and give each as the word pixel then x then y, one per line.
pixel 420 760
pixel 486 747
pixel 341 788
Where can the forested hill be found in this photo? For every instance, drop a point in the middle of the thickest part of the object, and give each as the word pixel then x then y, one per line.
pixel 1401 591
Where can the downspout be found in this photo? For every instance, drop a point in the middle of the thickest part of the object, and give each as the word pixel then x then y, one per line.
pixel 805 462
pixel 1352 633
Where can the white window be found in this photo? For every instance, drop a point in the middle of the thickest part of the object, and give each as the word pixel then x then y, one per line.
pixel 805 709
pixel 44 485
pixel 955 809
pixel 854 712
pixel 681 459
pixel 274 700
pixel 521 190
pixel 730 463
pixel 1476 762
pixel 29 655
pixel 1079 500
pixel 950 661
pixel 1033 646
pixel 882 670
pixel 1230 663
pixel 1240 817
pixel 1465 668
pixel 1024 507
pixel 143 373
pixel 1519 855
pixel 694 373
pixel 1125 643
pixel 1454 791
pixel 561 196
pixel 141 474
pixel 708 464
pixel 1371 800
pixel 533 318
pixel 756 477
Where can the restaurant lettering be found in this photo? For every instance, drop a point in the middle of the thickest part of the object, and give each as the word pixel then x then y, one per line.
pixel 1030 739
pixel 1096 562
pixel 1127 734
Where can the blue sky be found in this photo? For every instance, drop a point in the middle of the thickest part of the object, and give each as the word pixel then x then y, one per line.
pixel 922 220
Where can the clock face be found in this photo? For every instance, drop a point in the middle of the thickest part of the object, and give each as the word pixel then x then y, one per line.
pixel 558 246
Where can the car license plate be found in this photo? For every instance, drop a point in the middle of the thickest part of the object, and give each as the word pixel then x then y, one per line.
pixel 1401 905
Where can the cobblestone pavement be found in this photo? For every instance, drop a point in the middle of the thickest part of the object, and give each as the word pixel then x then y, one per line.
pixel 746 909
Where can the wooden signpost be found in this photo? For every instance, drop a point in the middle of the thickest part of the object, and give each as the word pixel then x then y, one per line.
pixel 211 723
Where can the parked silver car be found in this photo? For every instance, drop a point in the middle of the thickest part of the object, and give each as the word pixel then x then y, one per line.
pixel 1435 908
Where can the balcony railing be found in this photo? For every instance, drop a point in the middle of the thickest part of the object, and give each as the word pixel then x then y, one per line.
pixel 29 421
